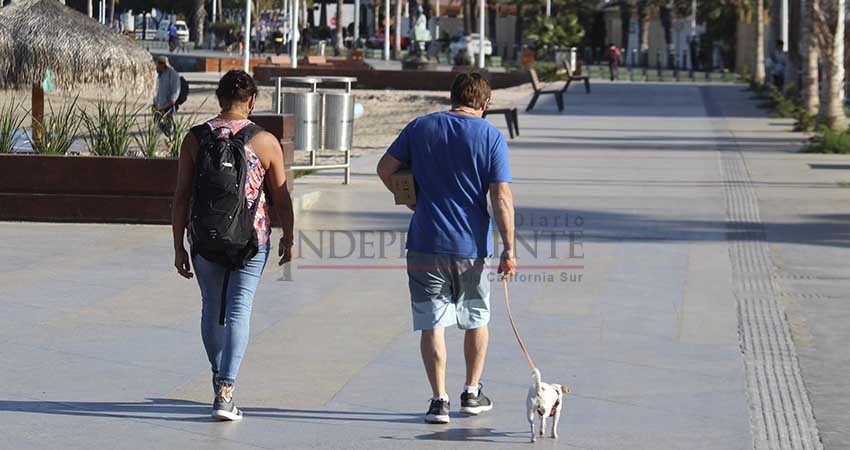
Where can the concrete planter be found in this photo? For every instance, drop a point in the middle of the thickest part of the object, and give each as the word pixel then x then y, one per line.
pixel 102 189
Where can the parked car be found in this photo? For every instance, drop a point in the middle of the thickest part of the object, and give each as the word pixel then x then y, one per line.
pixel 377 41
pixel 182 31
pixel 470 43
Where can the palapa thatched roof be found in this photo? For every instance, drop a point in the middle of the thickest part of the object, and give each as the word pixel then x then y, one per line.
pixel 78 50
pixel 6 48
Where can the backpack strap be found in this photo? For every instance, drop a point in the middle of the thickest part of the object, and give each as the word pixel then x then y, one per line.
pixel 202 133
pixel 246 134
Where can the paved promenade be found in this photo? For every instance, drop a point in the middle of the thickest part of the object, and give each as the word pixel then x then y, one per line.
pixel 671 221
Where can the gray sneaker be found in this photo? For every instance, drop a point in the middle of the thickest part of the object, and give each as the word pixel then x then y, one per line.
pixel 438 411
pixel 223 406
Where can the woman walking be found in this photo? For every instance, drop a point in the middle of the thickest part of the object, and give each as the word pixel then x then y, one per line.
pixel 233 173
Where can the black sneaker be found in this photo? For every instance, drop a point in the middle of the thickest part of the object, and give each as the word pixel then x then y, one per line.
pixel 438 412
pixel 223 406
pixel 470 404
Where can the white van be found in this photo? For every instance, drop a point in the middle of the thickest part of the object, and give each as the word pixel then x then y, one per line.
pixel 182 31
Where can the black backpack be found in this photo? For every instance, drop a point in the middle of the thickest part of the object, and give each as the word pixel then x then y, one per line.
pixel 184 92
pixel 221 228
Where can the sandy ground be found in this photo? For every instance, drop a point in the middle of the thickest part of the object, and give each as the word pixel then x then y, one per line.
pixel 386 112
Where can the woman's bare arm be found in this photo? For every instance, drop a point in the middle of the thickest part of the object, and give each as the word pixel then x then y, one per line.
pixel 180 208
pixel 281 199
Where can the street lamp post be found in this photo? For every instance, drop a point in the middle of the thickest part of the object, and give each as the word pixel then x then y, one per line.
pixel 246 60
pixel 387 30
pixel 293 35
pixel 481 11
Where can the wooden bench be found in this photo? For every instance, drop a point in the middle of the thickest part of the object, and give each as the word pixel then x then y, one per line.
pixel 511 118
pixel 576 76
pixel 539 90
pixel 317 61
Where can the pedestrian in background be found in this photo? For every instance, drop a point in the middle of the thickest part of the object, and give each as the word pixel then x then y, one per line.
pixel 167 93
pixel 614 58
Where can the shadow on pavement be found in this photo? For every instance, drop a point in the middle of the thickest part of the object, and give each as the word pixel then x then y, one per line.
pixel 175 410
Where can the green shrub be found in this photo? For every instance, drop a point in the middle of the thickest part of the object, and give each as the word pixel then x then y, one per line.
pixel 109 127
pixel 60 129
pixel 829 141
pixel 10 122
pixel 547 71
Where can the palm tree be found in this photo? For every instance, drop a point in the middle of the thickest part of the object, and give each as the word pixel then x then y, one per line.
pixel 397 36
pixel 643 9
pixel 199 16
pixel 832 15
pixel 758 63
pixel 809 54
pixel 338 48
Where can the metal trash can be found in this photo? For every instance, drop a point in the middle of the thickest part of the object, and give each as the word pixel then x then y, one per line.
pixel 306 106
pixel 339 115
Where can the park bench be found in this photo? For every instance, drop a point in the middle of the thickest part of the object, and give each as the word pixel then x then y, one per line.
pixel 539 90
pixel 576 76
pixel 511 118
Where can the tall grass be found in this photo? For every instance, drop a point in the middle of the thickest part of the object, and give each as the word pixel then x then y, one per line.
pixel 60 129
pixel 109 127
pixel 10 122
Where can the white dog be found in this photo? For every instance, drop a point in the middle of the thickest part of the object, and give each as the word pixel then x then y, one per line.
pixel 545 400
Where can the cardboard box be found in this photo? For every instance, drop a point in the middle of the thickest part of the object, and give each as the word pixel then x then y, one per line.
pixel 404 187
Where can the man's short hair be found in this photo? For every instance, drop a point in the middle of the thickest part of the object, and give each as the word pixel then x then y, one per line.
pixel 162 60
pixel 470 89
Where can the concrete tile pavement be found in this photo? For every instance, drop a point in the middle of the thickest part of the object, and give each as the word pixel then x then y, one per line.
pixel 634 310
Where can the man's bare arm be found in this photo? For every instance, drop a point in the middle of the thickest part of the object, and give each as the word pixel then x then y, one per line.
pixel 502 200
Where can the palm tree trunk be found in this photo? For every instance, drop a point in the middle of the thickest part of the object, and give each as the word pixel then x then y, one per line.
pixel 339 27
pixel 199 16
pixel 90 8
pixel 467 17
pixel 643 27
pixel 809 54
pixel 758 62
pixel 625 22
pixel 397 35
pixel 832 104
pixel 111 20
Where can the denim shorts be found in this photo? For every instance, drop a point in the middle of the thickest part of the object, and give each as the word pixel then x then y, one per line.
pixel 447 290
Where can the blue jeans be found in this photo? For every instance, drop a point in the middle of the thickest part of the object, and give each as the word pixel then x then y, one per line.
pixel 226 344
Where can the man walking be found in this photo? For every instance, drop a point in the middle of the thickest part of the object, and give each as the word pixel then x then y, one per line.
pixel 457 158
pixel 614 58
pixel 167 92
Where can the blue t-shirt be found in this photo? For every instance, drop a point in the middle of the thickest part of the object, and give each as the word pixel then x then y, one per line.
pixel 454 159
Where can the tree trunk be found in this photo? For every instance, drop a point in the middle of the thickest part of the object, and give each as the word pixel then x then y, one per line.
pixel 90 8
pixel 665 14
pixel 111 18
pixel 832 104
pixel 643 24
pixel 625 22
pixel 199 16
pixel 339 47
pixel 519 29
pixel 758 62
pixel 467 17
pixel 809 54
pixel 397 33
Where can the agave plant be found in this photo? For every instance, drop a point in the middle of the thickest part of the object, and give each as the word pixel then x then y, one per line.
pixel 60 128
pixel 10 122
pixel 148 135
pixel 182 124
pixel 109 128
